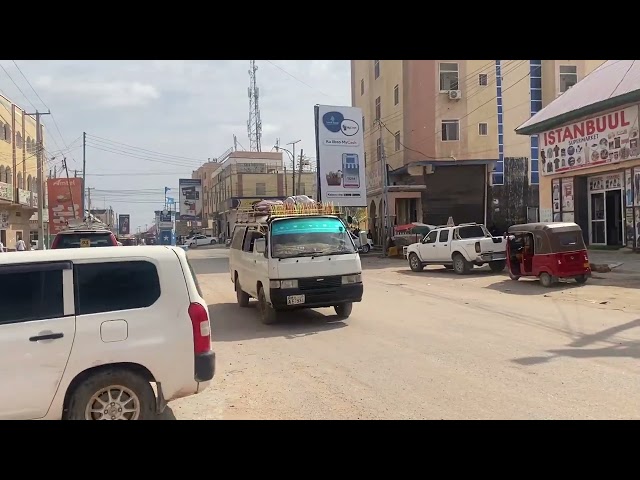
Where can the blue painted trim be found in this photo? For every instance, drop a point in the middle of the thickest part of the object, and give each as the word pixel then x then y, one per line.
pixel 535 93
pixel 497 176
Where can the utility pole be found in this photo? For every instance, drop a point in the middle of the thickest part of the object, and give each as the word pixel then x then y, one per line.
pixel 39 177
pixel 89 203
pixel 385 206
pixel 293 169
pixel 84 168
pixel 64 165
pixel 300 169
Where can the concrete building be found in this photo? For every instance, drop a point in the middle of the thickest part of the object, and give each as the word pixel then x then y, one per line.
pixel 18 173
pixel 447 127
pixel 207 174
pixel 246 177
pixel 106 216
pixel 590 155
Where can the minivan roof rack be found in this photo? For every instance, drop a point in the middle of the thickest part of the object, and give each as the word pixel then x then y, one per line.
pixel 251 215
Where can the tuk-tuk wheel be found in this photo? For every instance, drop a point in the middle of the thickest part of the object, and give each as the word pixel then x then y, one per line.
pixel 581 279
pixel 514 277
pixel 546 280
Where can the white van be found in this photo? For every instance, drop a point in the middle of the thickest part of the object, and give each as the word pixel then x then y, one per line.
pixel 84 333
pixel 290 262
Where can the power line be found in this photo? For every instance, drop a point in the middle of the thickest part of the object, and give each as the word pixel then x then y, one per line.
pixel 120 145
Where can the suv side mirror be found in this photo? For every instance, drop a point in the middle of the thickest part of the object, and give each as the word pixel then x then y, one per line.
pixel 259 245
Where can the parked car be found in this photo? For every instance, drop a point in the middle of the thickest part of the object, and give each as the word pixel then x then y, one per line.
pixel 198 240
pixel 88 331
pixel 84 237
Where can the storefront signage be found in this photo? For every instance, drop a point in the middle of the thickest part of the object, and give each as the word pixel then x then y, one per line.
pixel 4 219
pixel 602 140
pixel 24 197
pixel 6 192
pixel 606 182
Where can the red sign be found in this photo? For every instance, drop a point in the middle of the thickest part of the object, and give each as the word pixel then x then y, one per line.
pixel 65 202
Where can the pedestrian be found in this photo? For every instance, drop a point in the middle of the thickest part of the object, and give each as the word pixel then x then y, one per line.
pixel 21 246
pixel 1 247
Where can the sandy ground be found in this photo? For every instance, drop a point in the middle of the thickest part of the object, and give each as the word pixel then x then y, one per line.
pixel 429 345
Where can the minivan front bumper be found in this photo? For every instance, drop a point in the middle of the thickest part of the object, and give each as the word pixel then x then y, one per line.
pixel 317 298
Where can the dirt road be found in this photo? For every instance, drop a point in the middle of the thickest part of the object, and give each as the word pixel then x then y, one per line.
pixel 427 345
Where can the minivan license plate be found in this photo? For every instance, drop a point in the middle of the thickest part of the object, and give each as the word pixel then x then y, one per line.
pixel 295 299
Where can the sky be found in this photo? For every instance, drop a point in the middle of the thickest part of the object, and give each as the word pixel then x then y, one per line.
pixel 149 123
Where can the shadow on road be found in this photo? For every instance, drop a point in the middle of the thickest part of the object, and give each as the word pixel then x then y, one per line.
pixel 616 349
pixel 230 323
pixel 441 272
pixel 530 286
pixel 205 266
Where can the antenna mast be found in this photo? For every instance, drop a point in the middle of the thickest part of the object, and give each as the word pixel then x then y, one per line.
pixel 254 125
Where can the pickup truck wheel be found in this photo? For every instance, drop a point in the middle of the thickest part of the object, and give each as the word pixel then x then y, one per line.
pixel 415 264
pixel 344 310
pixel 366 248
pixel 497 266
pixel 268 314
pixel 460 264
pixel 546 280
pixel 581 279
pixel 242 297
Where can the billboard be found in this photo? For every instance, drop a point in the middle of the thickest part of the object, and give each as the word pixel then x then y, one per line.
pixel 603 140
pixel 124 224
pixel 190 199
pixel 164 221
pixel 340 156
pixel 65 202
pixel 166 237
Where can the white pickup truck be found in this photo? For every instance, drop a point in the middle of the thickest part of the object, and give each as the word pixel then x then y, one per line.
pixel 460 248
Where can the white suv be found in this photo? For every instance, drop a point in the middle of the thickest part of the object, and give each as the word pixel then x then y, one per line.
pixel 84 333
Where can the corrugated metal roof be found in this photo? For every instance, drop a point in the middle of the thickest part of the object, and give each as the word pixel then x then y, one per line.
pixel 612 84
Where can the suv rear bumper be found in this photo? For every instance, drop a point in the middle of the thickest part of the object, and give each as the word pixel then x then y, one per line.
pixel 205 366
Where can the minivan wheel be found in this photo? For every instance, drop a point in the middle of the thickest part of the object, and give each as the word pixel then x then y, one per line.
pixel 343 310
pixel 242 297
pixel 112 394
pixel 268 314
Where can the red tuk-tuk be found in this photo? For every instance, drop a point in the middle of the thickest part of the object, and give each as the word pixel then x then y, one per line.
pixel 549 251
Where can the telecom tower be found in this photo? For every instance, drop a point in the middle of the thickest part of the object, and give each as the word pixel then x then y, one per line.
pixel 254 125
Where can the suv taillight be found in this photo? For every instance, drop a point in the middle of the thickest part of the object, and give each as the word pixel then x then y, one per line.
pixel 478 247
pixel 201 328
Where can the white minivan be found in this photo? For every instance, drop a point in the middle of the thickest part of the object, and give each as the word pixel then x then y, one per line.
pixel 293 262
pixel 85 333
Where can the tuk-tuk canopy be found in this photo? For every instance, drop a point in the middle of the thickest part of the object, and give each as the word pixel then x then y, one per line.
pixel 552 237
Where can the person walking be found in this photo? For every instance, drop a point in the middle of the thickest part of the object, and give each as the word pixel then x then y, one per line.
pixel 21 246
pixel 1 247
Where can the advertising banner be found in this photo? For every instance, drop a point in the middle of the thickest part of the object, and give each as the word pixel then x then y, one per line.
pixel 602 140
pixel 65 202
pixel 190 199
pixel 164 221
pixel 124 224
pixel 166 237
pixel 340 156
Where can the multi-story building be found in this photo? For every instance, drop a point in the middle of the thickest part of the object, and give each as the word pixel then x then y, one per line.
pixel 247 177
pixel 447 131
pixel 207 174
pixel 18 172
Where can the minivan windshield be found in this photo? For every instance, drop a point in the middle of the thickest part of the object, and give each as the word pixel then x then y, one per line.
pixel 310 237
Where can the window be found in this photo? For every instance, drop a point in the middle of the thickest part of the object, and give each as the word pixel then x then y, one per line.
pixel 450 130
pixel 362 87
pixel 431 237
pixel 376 68
pixel 238 237
pixel 378 109
pixel 568 77
pixel 261 189
pixel 29 294
pixel 378 149
pixel 483 129
pixel 444 236
pixel 396 95
pixel 250 239
pixel 18 140
pixel 7 133
pixel 96 239
pixel 115 286
pixel 397 144
pixel 483 80
pixel 448 76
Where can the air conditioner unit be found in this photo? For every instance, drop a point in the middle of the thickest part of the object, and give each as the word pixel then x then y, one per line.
pixel 455 94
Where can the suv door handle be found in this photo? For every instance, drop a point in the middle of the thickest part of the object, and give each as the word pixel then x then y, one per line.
pixel 46 336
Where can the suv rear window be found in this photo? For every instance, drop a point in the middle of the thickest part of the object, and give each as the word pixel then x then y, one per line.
pixel 75 240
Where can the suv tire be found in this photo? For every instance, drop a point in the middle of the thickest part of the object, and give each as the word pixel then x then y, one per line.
pixel 120 395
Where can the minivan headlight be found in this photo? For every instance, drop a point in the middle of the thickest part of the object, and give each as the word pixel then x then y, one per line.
pixel 283 284
pixel 349 279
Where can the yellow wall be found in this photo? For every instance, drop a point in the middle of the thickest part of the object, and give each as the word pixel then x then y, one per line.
pixel 249 182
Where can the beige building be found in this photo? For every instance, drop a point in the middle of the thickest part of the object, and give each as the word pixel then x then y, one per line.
pixel 207 174
pixel 18 173
pixel 447 130
pixel 242 178
pixel 589 141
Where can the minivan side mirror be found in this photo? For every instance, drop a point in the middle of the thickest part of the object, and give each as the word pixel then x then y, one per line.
pixel 259 245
